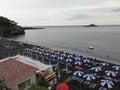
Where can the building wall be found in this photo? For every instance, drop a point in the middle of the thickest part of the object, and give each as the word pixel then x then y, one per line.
pixel 32 78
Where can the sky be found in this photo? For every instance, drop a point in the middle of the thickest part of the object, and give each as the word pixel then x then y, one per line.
pixel 61 12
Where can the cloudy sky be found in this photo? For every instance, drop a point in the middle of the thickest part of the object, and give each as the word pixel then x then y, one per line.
pixel 61 12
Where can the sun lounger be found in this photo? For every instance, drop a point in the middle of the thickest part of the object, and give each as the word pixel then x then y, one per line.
pixel 93 85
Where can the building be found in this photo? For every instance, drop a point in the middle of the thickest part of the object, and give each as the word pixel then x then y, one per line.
pixel 17 75
pixel 47 70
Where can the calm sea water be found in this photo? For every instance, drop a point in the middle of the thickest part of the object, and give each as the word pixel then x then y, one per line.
pixel 76 39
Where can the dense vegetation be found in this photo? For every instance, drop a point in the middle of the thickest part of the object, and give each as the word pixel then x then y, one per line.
pixel 9 27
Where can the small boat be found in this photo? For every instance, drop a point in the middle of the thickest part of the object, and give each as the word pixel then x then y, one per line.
pixel 90 47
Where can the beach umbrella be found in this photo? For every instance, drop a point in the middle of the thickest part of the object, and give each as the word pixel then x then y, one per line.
pixel 116 67
pixel 94 58
pixel 74 78
pixel 68 60
pixel 69 56
pixel 86 60
pixel 53 56
pixel 62 86
pixel 63 55
pixel 77 58
pixel 78 73
pixel 96 69
pixel 89 76
pixel 107 83
pixel 78 63
pixel 60 58
pixel 78 68
pixel 104 64
pixel 110 73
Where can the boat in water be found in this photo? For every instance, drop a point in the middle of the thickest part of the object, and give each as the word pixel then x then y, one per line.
pixel 90 47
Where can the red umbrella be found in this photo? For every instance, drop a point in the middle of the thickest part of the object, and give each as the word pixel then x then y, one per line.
pixel 78 68
pixel 62 86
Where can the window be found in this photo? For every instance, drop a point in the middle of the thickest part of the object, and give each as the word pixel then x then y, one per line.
pixel 25 85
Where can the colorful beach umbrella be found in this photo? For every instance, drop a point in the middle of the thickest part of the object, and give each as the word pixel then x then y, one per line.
pixel 78 63
pixel 104 64
pixel 60 58
pixel 78 73
pixel 77 58
pixel 62 86
pixel 86 60
pixel 110 73
pixel 78 68
pixel 74 78
pixel 96 69
pixel 68 60
pixel 116 67
pixel 69 56
pixel 89 76
pixel 107 83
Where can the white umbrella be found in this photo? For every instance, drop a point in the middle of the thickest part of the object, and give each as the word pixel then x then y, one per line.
pixel 74 78
pixel 104 64
pixel 110 73
pixel 60 58
pixel 53 56
pixel 68 60
pixel 63 55
pixel 96 69
pixel 78 63
pixel 107 83
pixel 116 67
pixel 69 56
pixel 78 73
pixel 86 60
pixel 77 58
pixel 89 76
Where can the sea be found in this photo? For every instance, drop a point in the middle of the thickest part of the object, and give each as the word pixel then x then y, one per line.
pixel 75 39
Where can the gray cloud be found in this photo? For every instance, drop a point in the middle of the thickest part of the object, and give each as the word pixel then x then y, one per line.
pixel 77 17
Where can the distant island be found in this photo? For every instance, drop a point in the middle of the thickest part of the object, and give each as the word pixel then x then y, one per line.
pixel 90 25
pixel 9 27
pixel 32 28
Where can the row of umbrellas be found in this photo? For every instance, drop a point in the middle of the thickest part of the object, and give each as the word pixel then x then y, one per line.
pixel 104 83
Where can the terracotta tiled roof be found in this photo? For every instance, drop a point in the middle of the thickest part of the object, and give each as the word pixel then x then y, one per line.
pixel 15 71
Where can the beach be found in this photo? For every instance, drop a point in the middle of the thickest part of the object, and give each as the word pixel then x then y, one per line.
pixel 65 62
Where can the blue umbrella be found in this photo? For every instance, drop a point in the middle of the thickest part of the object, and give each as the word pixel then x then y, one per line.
pixel 69 56
pixel 96 69
pixel 110 73
pixel 60 58
pixel 78 73
pixel 86 60
pixel 107 83
pixel 116 67
pixel 74 78
pixel 68 60
pixel 104 64
pixel 89 76
pixel 77 58
pixel 63 55
pixel 78 63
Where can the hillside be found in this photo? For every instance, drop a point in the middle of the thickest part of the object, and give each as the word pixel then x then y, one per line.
pixel 9 27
